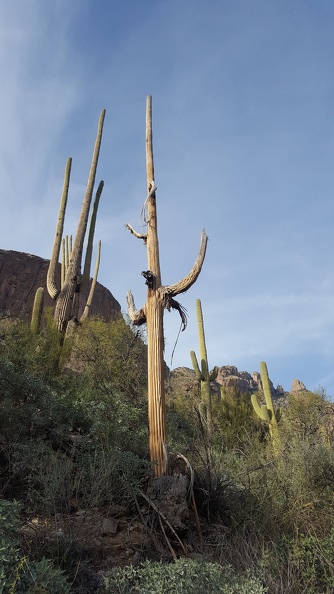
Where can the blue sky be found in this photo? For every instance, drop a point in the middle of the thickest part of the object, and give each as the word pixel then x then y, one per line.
pixel 243 123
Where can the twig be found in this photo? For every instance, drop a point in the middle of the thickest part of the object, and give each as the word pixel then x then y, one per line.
pixel 167 540
pixel 156 509
pixel 192 499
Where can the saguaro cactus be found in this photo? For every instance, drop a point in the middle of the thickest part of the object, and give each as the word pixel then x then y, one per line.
pixel 159 297
pixel 72 281
pixel 37 310
pixel 266 411
pixel 202 373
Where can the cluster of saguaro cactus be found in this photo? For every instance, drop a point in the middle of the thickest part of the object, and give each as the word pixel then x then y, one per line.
pixel 266 411
pixel 203 375
pixel 66 292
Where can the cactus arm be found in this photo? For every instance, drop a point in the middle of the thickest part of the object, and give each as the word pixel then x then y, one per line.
pixel 138 316
pixel 261 410
pixel 68 251
pixel 63 262
pixel 267 412
pixel 89 250
pixel 197 370
pixel 93 285
pixel 267 391
pixel 184 284
pixel 52 286
pixel 142 236
pixel 213 374
pixel 73 273
pixel 37 310
pixel 203 375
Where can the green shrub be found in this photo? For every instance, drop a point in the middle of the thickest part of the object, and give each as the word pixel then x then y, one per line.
pixel 19 575
pixel 39 577
pixel 184 576
pixel 311 563
pixel 9 549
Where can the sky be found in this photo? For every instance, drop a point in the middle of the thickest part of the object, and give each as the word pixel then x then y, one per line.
pixel 243 133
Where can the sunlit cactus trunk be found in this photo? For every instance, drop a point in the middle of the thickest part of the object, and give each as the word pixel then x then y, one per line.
pixel 159 297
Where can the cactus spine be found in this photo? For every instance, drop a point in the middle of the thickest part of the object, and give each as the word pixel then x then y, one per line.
pixel 202 374
pixel 67 292
pixel 37 311
pixel 266 411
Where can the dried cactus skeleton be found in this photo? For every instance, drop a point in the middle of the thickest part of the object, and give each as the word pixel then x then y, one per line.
pixel 159 297
pixel 66 292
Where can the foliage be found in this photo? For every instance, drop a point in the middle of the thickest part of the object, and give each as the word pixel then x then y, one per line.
pixel 39 577
pixel 112 358
pixel 184 576
pixel 9 550
pixel 39 354
pixel 311 562
pixel 74 436
pixel 18 574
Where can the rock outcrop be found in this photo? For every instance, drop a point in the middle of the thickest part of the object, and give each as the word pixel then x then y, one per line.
pixel 297 386
pixel 20 276
pixel 183 379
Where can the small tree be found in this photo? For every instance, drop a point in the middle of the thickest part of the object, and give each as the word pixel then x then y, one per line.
pixel 159 297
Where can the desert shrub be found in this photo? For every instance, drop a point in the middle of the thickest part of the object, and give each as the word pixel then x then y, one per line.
pixel 9 549
pixel 39 577
pixel 112 359
pixel 311 563
pixel 113 355
pixel 307 415
pixel 19 574
pixel 89 473
pixel 184 576
pixel 235 421
pixel 40 353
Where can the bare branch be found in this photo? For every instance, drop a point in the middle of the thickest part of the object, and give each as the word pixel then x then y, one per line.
pixel 138 316
pixel 142 236
pixel 184 284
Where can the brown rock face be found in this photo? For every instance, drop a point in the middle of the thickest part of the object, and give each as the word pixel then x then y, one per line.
pixel 20 276
pixel 297 386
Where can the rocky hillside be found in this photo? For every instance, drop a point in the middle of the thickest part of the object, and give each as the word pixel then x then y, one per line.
pixel 20 276
pixel 183 380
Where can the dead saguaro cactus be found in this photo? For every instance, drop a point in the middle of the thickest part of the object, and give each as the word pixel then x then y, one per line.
pixel 66 293
pixel 159 297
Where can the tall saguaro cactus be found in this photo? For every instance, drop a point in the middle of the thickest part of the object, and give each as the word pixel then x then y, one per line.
pixel 203 375
pixel 66 292
pixel 159 297
pixel 266 411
